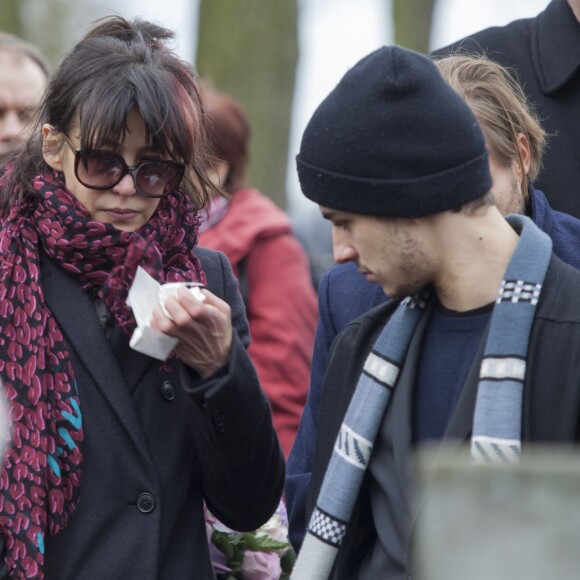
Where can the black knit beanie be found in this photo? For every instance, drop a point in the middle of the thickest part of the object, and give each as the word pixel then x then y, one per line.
pixel 393 139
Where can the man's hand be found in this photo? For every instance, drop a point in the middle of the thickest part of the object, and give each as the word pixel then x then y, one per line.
pixel 204 329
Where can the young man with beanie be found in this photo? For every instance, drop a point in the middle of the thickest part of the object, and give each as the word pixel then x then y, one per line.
pixel 398 164
pixel 515 141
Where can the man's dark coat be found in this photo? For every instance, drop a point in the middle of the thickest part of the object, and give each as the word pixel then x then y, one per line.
pixel 551 405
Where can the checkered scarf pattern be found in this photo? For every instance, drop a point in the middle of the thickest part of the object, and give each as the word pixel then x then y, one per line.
pixel 497 419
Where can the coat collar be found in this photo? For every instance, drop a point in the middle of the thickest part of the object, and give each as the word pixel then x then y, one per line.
pixel 539 209
pixel 401 409
pixel 555 46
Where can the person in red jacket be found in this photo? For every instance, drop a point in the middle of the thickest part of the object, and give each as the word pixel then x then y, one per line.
pixel 270 264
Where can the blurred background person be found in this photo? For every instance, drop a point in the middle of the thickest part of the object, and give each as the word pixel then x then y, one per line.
pixel 23 75
pixel 269 263
pixel 315 235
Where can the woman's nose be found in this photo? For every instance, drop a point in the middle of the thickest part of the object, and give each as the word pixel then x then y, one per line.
pixel 126 186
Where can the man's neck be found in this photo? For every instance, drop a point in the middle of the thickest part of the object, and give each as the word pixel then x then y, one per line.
pixel 475 260
pixel 575 5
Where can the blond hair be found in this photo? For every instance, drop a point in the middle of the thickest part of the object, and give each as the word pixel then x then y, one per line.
pixel 500 106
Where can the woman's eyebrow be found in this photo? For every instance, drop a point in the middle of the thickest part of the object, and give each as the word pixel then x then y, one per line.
pixel 117 147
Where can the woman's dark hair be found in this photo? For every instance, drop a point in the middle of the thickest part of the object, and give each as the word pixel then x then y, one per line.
pixel 120 65
pixel 228 132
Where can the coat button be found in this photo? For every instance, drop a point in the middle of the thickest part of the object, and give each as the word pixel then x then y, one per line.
pixel 218 421
pixel 168 391
pixel 146 503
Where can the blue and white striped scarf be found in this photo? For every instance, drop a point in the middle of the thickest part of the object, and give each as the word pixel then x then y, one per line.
pixel 496 435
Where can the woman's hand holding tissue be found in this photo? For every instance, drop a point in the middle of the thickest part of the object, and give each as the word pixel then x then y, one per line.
pixel 204 329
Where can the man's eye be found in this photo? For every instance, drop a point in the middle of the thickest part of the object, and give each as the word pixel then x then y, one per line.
pixel 3 112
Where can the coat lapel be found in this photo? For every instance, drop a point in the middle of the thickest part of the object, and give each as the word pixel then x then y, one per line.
pixel 401 411
pixel 77 318
pixel 133 364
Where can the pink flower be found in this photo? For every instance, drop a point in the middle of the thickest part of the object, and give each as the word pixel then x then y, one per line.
pixel 277 526
pixel 261 566
pixel 218 558
pixel 282 513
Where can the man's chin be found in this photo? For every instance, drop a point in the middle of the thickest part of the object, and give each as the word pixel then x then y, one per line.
pixel 402 292
pixel 392 293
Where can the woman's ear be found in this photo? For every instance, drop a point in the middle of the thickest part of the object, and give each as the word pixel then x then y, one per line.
pixel 52 150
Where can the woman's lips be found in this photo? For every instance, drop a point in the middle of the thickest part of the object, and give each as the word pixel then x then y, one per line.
pixel 121 214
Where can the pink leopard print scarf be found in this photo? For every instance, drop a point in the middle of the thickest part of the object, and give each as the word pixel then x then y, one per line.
pixel 41 472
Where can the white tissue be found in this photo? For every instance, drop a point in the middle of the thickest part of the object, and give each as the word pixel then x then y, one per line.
pixel 171 289
pixel 145 293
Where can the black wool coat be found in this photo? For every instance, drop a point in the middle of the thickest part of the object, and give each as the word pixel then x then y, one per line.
pixel 157 443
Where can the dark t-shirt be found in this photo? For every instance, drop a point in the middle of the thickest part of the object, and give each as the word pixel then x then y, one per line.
pixel 449 346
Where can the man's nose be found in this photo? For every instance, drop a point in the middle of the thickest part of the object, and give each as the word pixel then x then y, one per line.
pixel 342 249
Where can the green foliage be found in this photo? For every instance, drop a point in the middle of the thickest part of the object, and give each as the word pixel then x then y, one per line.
pixel 67 21
pixel 10 19
pixel 287 562
pixel 413 23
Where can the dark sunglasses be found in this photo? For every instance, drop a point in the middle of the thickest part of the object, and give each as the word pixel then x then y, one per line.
pixel 98 169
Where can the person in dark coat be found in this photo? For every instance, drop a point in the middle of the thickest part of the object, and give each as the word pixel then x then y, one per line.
pixel 424 368
pixel 543 53
pixel 499 105
pixel 112 452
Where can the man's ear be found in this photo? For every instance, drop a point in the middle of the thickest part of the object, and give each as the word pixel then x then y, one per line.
pixel 524 159
pixel 52 150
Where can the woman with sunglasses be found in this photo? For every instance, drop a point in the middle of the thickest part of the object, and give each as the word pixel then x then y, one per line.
pixel 111 453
